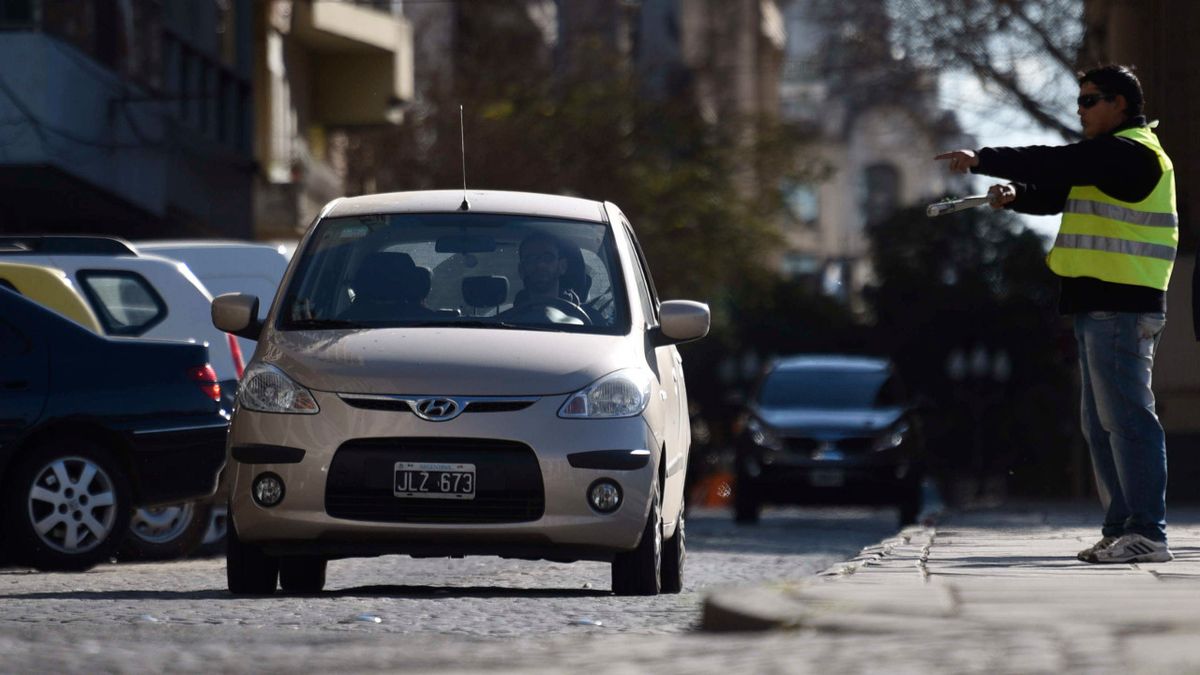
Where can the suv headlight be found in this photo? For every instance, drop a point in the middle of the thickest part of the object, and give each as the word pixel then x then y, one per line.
pixel 624 393
pixel 762 436
pixel 265 388
pixel 892 438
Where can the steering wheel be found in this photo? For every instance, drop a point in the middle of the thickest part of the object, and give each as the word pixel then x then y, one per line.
pixel 570 309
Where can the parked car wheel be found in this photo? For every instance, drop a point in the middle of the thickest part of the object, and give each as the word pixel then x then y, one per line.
pixel 302 575
pixel 248 571
pixel 67 505
pixel 674 556
pixel 165 532
pixel 639 572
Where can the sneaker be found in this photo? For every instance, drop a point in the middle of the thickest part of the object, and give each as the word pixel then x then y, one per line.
pixel 1088 554
pixel 1133 548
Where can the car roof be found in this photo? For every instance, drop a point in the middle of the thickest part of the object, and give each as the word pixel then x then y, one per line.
pixel 480 201
pixel 801 362
pixel 186 244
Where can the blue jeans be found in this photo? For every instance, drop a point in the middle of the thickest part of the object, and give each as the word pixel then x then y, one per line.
pixel 1128 447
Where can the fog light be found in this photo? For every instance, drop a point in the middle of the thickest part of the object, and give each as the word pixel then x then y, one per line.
pixel 268 489
pixel 605 495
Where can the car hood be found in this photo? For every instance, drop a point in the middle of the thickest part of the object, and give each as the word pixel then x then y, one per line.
pixel 829 423
pixel 447 361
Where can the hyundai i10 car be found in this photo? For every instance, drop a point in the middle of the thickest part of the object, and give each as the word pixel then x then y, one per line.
pixel 445 374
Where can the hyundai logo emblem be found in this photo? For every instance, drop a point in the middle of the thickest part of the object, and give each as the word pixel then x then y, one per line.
pixel 438 409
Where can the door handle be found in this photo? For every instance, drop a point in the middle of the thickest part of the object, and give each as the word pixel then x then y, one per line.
pixel 15 385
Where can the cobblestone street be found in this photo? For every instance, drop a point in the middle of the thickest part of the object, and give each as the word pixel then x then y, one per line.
pixel 398 612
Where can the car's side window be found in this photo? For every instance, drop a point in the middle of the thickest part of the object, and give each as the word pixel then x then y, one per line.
pixel 9 285
pixel 645 285
pixel 123 301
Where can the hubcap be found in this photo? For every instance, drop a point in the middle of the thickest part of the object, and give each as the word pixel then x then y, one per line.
pixel 162 524
pixel 72 505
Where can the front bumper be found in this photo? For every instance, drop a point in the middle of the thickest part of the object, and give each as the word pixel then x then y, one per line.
pixel 567 528
pixel 884 477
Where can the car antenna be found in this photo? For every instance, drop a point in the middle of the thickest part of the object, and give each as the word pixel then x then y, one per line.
pixel 462 136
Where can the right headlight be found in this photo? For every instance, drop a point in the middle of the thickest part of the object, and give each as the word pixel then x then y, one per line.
pixel 265 388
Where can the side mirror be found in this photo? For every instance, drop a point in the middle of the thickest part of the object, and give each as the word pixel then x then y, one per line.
pixel 237 313
pixel 682 321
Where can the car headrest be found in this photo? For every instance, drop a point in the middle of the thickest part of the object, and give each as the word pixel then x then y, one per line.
pixel 485 291
pixel 576 277
pixel 391 275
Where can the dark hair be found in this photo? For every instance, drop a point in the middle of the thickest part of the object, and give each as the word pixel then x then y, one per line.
pixel 1115 79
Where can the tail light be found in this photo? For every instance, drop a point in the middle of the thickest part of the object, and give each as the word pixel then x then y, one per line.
pixel 206 378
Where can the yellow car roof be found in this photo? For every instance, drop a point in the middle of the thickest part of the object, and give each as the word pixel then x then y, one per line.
pixel 52 288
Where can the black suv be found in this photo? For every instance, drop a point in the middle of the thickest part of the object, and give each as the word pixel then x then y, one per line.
pixel 91 428
pixel 829 430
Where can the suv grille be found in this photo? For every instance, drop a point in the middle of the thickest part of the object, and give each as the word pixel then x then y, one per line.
pixel 508 479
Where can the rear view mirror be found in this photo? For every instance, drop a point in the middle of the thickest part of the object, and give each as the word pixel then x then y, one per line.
pixel 465 243
pixel 683 321
pixel 237 313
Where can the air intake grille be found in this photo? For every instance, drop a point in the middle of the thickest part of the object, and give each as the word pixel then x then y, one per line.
pixel 508 481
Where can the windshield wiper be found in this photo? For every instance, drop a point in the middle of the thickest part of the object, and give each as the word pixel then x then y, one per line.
pixel 322 324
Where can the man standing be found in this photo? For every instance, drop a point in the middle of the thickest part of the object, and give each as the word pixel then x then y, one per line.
pixel 1114 254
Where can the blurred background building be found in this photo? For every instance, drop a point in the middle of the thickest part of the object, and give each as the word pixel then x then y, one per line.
pixel 128 117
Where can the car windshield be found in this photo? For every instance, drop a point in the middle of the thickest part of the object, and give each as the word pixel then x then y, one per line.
pixel 471 270
pixel 829 389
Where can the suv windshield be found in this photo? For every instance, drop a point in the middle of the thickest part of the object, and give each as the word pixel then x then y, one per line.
pixel 457 269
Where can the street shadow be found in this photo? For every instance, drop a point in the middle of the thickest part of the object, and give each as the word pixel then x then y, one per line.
pixel 118 595
pixel 378 591
pixel 439 592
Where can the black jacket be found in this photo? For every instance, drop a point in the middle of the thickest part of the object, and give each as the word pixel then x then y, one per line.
pixel 1043 177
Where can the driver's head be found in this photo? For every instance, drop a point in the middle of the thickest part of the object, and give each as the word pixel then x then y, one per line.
pixel 541 264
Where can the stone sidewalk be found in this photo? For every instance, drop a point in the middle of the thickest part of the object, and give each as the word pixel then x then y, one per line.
pixel 998 587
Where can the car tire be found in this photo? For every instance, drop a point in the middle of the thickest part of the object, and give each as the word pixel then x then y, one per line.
pixel 248 571
pixel 746 507
pixel 673 557
pixel 639 572
pixel 80 482
pixel 302 575
pixel 165 532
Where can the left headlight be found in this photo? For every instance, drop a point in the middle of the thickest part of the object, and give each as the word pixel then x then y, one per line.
pixel 624 393
pixel 265 388
pixel 891 438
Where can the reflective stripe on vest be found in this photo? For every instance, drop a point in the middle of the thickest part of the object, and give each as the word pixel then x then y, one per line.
pixel 1121 242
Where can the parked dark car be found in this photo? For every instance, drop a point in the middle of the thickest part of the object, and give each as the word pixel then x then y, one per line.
pixel 93 427
pixel 829 430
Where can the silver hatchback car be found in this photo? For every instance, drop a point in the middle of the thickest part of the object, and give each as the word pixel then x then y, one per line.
pixel 446 373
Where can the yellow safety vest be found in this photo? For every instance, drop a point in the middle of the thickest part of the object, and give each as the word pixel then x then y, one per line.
pixel 1121 242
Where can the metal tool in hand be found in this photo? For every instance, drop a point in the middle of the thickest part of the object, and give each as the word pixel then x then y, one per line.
pixel 955 205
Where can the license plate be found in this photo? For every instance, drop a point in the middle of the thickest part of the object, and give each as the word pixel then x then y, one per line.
pixel 435 480
pixel 827 478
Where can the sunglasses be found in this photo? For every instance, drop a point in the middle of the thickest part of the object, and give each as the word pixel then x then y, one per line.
pixel 1089 100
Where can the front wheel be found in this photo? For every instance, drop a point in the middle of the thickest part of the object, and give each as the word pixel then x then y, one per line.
pixel 639 572
pixel 248 571
pixel 67 506
pixel 302 574
pixel 673 558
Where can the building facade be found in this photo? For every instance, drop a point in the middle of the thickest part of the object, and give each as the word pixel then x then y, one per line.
pixel 127 117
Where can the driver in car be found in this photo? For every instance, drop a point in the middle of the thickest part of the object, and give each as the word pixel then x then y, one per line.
pixel 542 266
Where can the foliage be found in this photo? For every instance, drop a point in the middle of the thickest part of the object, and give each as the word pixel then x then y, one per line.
pixel 972 280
